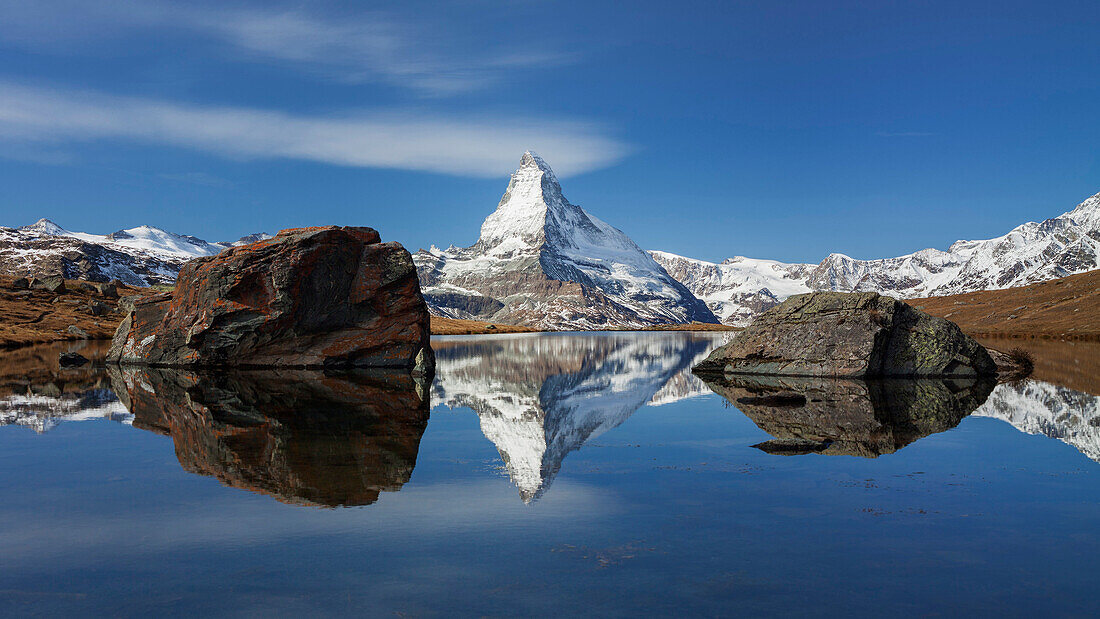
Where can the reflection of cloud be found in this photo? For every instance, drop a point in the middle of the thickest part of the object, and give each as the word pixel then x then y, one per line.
pixel 411 141
pixel 37 539
pixel 349 47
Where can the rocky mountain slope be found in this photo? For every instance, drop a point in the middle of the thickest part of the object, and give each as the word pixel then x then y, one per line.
pixel 543 262
pixel 142 256
pixel 738 288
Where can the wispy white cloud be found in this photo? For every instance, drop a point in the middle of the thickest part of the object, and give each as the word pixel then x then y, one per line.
pixel 471 145
pixel 351 47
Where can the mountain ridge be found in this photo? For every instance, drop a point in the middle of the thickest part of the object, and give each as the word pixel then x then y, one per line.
pixel 140 256
pixel 738 288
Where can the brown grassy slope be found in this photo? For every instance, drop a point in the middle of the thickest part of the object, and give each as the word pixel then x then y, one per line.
pixel 693 326
pixel 1066 308
pixel 455 326
pixel 37 316
pixel 1073 364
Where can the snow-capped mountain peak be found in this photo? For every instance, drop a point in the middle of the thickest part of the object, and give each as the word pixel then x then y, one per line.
pixel 141 256
pixel 1087 213
pixel 543 261
pixel 45 227
pixel 532 203
pixel 737 289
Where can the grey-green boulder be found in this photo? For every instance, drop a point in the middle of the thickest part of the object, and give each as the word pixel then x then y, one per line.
pixel 850 335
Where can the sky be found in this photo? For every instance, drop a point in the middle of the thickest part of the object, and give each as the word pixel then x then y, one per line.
pixel 782 130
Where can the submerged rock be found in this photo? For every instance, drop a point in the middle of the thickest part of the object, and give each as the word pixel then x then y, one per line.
pixel 850 335
pixel 865 418
pixel 307 298
pixel 71 359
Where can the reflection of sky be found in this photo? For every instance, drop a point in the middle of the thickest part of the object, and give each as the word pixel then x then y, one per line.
pixel 670 512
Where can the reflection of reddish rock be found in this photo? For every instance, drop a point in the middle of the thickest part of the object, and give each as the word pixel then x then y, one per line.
pixel 301 437
pixel 310 297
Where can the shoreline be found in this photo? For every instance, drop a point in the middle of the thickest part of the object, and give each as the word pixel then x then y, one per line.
pixel 1065 309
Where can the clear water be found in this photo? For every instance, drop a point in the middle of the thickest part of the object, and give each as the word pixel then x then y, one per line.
pixel 554 475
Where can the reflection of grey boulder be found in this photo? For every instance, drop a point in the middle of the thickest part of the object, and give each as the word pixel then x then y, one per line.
pixel 302 437
pixel 850 417
pixel 850 335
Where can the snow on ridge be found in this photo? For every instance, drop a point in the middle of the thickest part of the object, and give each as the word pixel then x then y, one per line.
pixel 142 256
pixel 738 288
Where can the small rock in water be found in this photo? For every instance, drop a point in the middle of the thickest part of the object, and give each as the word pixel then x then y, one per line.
pixel 71 359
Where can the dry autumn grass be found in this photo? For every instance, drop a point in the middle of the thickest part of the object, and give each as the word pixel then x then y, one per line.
pixel 38 316
pixel 455 326
pixel 1066 308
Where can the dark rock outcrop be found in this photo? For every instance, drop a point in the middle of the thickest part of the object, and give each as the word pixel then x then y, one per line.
pixel 71 360
pixel 50 283
pixel 302 437
pixel 307 298
pixel 850 335
pixel 865 418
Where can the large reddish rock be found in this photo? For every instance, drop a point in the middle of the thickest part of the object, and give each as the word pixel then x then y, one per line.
pixel 323 297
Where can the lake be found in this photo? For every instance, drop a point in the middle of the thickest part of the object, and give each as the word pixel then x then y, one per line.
pixel 547 474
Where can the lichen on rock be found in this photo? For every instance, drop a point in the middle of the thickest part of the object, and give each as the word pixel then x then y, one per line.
pixel 850 335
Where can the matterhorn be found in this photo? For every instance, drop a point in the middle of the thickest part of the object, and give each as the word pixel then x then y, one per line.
pixel 544 262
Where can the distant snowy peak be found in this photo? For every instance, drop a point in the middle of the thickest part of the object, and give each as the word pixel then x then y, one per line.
pixel 543 261
pixel 739 288
pixel 45 227
pixel 140 256
pixel 145 238
pixel 247 239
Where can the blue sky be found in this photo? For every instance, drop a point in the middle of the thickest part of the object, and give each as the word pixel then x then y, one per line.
pixel 782 130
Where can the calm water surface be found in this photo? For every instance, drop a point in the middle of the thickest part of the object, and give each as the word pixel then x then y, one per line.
pixel 547 474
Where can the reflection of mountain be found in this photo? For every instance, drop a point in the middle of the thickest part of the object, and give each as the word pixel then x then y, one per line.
pixel 44 407
pixel 301 437
pixel 37 393
pixel 850 417
pixel 1038 407
pixel 540 397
